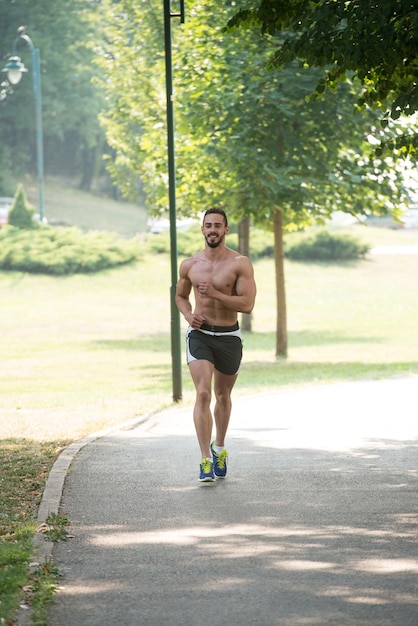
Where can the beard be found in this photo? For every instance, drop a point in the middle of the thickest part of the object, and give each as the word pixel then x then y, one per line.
pixel 215 243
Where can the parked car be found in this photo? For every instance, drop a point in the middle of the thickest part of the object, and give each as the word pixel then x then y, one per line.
pixel 158 226
pixel 3 216
pixel 5 204
pixel 409 219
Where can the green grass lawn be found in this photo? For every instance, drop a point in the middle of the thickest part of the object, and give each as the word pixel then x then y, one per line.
pixel 85 352
pixel 88 351
pixel 67 205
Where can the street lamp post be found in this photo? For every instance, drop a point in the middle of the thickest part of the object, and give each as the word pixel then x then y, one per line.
pixel 14 69
pixel 175 315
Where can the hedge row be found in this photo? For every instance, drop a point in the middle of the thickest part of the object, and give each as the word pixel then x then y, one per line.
pixel 61 251
pixel 325 246
pixel 322 246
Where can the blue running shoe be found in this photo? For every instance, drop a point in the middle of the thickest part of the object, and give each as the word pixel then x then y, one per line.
pixel 206 471
pixel 219 462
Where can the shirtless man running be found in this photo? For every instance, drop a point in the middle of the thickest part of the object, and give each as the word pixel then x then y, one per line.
pixel 223 285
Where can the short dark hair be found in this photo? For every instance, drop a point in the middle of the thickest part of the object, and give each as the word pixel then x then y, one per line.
pixel 217 210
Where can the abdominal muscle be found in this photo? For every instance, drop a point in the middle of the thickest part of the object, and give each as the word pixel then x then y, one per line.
pixel 214 312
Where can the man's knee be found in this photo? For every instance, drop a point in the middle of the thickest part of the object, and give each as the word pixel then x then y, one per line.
pixel 223 396
pixel 203 396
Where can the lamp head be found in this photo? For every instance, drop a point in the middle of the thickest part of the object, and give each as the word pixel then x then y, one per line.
pixel 14 68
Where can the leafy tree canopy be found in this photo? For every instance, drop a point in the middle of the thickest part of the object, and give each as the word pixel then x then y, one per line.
pixel 376 41
pixel 245 135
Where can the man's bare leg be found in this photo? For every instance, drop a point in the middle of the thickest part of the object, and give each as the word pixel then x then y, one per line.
pixel 202 372
pixel 223 386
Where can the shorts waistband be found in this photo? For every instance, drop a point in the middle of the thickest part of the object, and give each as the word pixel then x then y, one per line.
pixel 220 329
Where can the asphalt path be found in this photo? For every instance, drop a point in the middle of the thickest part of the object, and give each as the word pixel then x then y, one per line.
pixel 315 524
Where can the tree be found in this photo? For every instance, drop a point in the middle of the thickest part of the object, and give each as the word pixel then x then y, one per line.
pixel 376 42
pixel 274 156
pixel 21 213
pixel 246 137
pixel 73 137
pixel 131 60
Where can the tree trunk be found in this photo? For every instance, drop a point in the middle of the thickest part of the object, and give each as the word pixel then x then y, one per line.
pixel 281 323
pixel 244 249
pixel 89 165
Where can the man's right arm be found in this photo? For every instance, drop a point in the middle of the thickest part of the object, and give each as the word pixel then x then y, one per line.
pixel 184 288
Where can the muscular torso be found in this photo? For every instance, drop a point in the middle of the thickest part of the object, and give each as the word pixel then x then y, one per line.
pixel 223 274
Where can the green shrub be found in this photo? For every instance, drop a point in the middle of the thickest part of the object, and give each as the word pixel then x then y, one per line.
pixel 21 214
pixel 63 251
pixel 191 241
pixel 261 243
pixel 159 243
pixel 188 243
pixel 324 246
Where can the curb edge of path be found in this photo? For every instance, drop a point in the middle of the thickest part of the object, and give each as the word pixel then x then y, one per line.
pixel 52 495
pixel 54 486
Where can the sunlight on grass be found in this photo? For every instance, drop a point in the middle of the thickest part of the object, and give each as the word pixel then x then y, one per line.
pixel 70 205
pixel 86 352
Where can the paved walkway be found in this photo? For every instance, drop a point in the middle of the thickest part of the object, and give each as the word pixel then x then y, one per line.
pixel 316 523
pixel 395 250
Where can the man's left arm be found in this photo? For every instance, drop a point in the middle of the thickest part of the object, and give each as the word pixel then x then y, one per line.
pixel 242 301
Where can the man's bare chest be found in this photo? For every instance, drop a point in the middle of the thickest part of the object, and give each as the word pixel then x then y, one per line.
pixel 222 276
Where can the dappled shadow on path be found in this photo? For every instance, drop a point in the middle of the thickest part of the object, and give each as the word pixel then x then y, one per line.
pixel 294 536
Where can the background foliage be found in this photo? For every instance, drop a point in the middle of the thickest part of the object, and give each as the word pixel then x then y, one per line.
pixel 246 136
pixel 377 42
pixel 73 138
